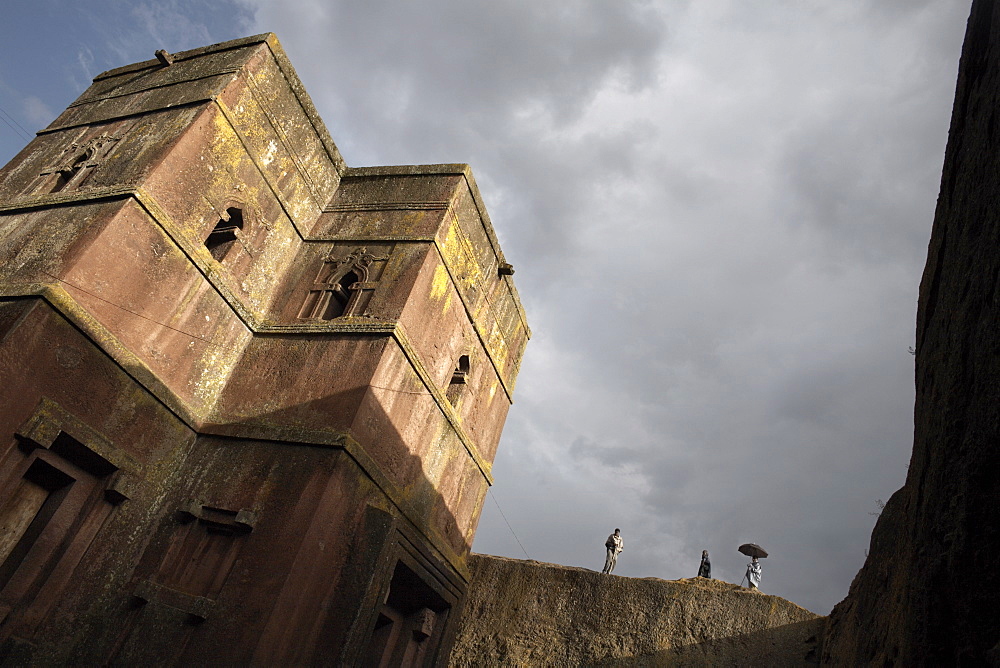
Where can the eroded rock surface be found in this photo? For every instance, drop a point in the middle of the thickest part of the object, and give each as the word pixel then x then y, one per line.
pixel 929 592
pixel 528 613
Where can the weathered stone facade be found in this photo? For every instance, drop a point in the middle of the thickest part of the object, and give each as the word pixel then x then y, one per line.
pixel 250 396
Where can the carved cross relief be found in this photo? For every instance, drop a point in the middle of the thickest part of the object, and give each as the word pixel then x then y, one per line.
pixel 77 162
pixel 342 286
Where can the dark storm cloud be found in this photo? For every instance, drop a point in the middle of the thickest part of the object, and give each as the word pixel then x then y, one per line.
pixel 488 83
pixel 421 64
pixel 737 323
pixel 718 213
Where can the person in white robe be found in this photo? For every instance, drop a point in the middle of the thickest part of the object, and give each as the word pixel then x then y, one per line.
pixel 753 574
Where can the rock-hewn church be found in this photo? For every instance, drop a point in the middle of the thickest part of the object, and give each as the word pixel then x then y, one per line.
pixel 250 396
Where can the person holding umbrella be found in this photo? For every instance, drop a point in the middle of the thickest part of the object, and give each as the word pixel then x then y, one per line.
pixel 753 575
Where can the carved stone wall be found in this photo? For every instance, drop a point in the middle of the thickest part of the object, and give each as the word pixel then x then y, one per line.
pixel 230 427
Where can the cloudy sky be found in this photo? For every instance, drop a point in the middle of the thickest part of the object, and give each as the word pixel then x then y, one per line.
pixel 718 212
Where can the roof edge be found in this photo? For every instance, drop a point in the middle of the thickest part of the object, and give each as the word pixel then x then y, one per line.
pixel 455 168
pixel 300 92
pixel 187 55
pixel 284 65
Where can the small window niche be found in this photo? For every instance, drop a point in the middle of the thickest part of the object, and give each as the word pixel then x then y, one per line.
pixel 461 374
pixel 226 234
pixel 459 378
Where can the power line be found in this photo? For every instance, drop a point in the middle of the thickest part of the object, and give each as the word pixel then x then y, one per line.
pixel 19 129
pixel 19 134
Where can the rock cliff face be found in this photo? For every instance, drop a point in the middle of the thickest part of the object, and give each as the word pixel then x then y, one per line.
pixel 527 613
pixel 929 593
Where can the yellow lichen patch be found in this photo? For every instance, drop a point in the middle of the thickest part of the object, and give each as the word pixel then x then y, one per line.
pixel 226 151
pixel 270 148
pixel 212 378
pixel 497 345
pixel 440 282
pixel 434 461
pixel 461 258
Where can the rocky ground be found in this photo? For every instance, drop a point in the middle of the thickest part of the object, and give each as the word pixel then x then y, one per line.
pixel 528 613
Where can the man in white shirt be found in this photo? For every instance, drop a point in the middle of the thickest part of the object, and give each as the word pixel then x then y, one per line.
pixel 614 545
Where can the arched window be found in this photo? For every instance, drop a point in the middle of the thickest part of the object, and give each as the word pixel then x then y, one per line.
pixel 227 231
pixel 461 374
pixel 77 164
pixel 459 379
pixel 335 292
pixel 340 296
pixel 68 173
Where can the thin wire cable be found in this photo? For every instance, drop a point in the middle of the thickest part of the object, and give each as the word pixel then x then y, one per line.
pixel 424 392
pixel 16 132
pixel 493 496
pixel 139 315
pixel 24 133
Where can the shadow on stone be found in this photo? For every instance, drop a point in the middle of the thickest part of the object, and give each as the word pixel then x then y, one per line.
pixel 795 644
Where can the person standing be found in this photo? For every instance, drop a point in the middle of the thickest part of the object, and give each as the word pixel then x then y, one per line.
pixel 615 545
pixel 753 574
pixel 705 570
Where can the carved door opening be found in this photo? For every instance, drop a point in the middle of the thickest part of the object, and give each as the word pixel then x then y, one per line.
pixel 181 593
pixel 28 509
pixel 201 553
pixel 50 510
pixel 409 625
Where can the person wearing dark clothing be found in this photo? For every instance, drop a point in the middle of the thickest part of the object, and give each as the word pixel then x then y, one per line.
pixel 705 570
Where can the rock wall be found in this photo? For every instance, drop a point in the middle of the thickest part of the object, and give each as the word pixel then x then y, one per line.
pixel 930 590
pixel 527 613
